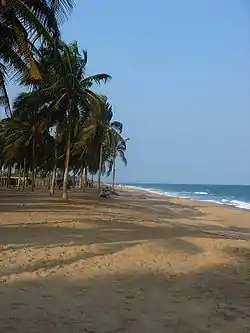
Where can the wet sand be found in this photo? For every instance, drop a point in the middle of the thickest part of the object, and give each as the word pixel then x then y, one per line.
pixel 133 263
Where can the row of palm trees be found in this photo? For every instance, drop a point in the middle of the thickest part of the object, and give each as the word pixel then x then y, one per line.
pixel 60 125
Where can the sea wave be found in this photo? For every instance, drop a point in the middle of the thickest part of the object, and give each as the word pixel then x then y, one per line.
pixel 149 190
pixel 201 193
pixel 195 196
pixel 237 203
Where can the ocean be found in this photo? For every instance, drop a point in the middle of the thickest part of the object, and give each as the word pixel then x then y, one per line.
pixel 229 195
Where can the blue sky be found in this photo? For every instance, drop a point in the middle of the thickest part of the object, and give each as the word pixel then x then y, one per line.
pixel 181 84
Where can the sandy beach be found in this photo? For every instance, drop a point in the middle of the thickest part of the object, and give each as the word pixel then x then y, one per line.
pixel 137 262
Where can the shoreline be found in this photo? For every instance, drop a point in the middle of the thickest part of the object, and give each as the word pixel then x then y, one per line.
pixel 168 195
pixel 137 262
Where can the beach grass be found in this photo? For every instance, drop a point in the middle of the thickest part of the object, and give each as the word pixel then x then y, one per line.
pixel 136 262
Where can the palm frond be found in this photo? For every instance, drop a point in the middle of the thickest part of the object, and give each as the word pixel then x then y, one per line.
pixel 98 78
pixel 123 158
pixel 117 125
pixel 4 98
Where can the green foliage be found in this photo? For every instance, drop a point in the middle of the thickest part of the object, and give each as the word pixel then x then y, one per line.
pixel 22 24
pixel 61 123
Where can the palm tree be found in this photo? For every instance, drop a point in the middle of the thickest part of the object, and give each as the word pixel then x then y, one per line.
pixel 118 148
pixel 97 135
pixel 77 97
pixel 60 98
pixel 24 132
pixel 54 171
pixel 66 92
pixel 22 23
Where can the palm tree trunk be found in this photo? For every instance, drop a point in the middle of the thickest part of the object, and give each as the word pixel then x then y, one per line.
pixel 80 178
pixel 85 177
pixel 32 179
pixel 53 179
pixel 48 180
pixel 19 177
pixel 74 179
pixel 114 170
pixel 24 170
pixel 66 169
pixel 99 170
pixel 1 173
pixel 9 175
pixel 33 185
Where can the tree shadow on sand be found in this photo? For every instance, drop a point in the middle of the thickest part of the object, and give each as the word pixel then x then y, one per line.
pixel 214 299
pixel 110 236
pixel 39 201
pixel 43 295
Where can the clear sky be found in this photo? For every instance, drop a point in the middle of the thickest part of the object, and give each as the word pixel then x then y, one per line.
pixel 181 84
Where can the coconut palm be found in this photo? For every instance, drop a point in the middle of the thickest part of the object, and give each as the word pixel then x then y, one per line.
pixel 75 97
pixel 66 91
pixel 22 23
pixel 97 135
pixel 23 132
pixel 60 99
pixel 119 146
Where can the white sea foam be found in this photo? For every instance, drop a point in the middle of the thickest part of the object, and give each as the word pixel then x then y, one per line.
pixel 190 195
pixel 153 191
pixel 201 193
pixel 237 203
pixel 217 202
pixel 183 195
